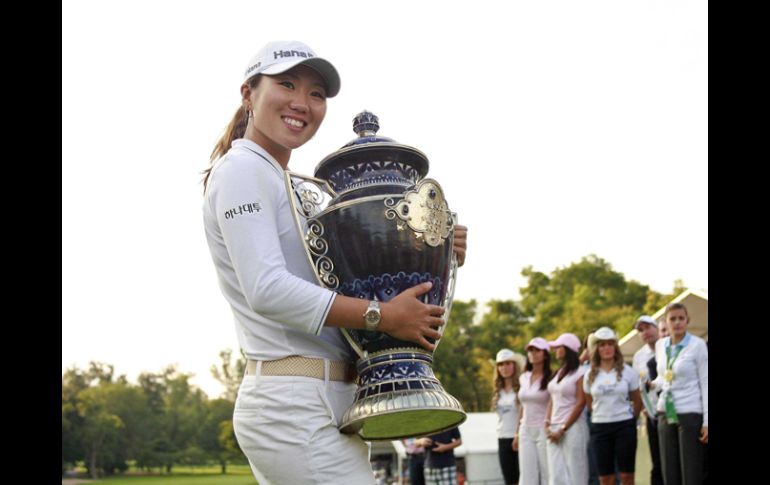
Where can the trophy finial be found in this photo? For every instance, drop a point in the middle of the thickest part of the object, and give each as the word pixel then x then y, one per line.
pixel 366 124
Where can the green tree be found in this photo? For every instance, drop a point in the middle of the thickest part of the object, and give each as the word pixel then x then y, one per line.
pixel 185 409
pixel 581 297
pixel 229 443
pixel 503 325
pixel 458 363
pixel 72 383
pixel 156 450
pixel 175 411
pixel 99 427
pixel 219 412
pixel 229 373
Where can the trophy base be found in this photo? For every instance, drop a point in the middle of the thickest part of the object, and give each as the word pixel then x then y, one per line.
pixel 399 397
pixel 403 422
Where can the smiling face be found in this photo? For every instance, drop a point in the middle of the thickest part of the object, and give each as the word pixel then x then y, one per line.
pixel 287 109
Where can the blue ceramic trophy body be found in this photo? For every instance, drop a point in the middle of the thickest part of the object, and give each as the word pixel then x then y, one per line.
pixel 373 226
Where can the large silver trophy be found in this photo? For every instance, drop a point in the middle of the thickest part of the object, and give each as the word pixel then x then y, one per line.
pixel 373 226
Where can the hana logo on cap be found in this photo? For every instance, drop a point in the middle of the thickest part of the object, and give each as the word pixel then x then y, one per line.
pixel 278 57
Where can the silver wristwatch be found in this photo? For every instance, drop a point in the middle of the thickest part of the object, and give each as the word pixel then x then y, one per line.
pixel 373 316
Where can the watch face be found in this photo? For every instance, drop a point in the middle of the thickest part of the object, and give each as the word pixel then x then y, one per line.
pixel 372 316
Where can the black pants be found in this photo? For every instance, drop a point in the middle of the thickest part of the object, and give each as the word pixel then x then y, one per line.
pixel 416 474
pixel 509 460
pixel 680 451
pixel 615 446
pixel 656 474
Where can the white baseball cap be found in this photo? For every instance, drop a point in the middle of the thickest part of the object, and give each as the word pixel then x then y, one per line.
pixel 280 56
pixel 645 319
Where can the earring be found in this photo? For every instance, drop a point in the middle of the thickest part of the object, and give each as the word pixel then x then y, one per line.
pixel 249 114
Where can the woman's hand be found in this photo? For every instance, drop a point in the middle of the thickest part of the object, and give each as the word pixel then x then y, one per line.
pixel 407 318
pixel 704 435
pixel 460 243
pixel 515 444
pixel 556 436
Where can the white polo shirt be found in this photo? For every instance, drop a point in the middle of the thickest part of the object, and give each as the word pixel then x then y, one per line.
pixel 611 402
pixel 260 261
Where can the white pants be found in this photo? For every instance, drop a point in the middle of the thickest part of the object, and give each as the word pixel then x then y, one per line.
pixel 287 427
pixel 568 459
pixel 533 463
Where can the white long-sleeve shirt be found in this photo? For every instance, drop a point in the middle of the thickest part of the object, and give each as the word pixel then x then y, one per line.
pixel 690 387
pixel 263 270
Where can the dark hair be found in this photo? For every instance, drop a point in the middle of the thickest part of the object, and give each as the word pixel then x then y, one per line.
pixel 547 371
pixel 570 364
pixel 234 130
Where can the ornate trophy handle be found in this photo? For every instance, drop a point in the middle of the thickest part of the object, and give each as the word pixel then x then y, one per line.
pixel 308 196
pixel 450 292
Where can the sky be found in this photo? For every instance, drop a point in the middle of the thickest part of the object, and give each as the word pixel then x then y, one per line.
pixel 557 130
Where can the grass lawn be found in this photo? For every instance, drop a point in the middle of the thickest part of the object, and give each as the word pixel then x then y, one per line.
pixel 241 474
pixel 236 475
pixel 180 479
pixel 643 462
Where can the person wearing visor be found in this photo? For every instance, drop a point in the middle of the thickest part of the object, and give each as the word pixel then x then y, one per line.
pixel 299 373
pixel 682 406
pixel 565 426
pixel 645 364
pixel 612 396
pixel 534 397
pixel 508 368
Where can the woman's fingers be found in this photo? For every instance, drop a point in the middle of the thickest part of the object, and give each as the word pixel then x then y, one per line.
pixel 418 290
pixel 431 333
pixel 427 345
pixel 460 243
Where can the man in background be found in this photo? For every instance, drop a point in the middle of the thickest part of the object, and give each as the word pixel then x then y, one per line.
pixel 644 363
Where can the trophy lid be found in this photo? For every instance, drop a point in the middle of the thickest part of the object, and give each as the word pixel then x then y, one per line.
pixel 368 150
